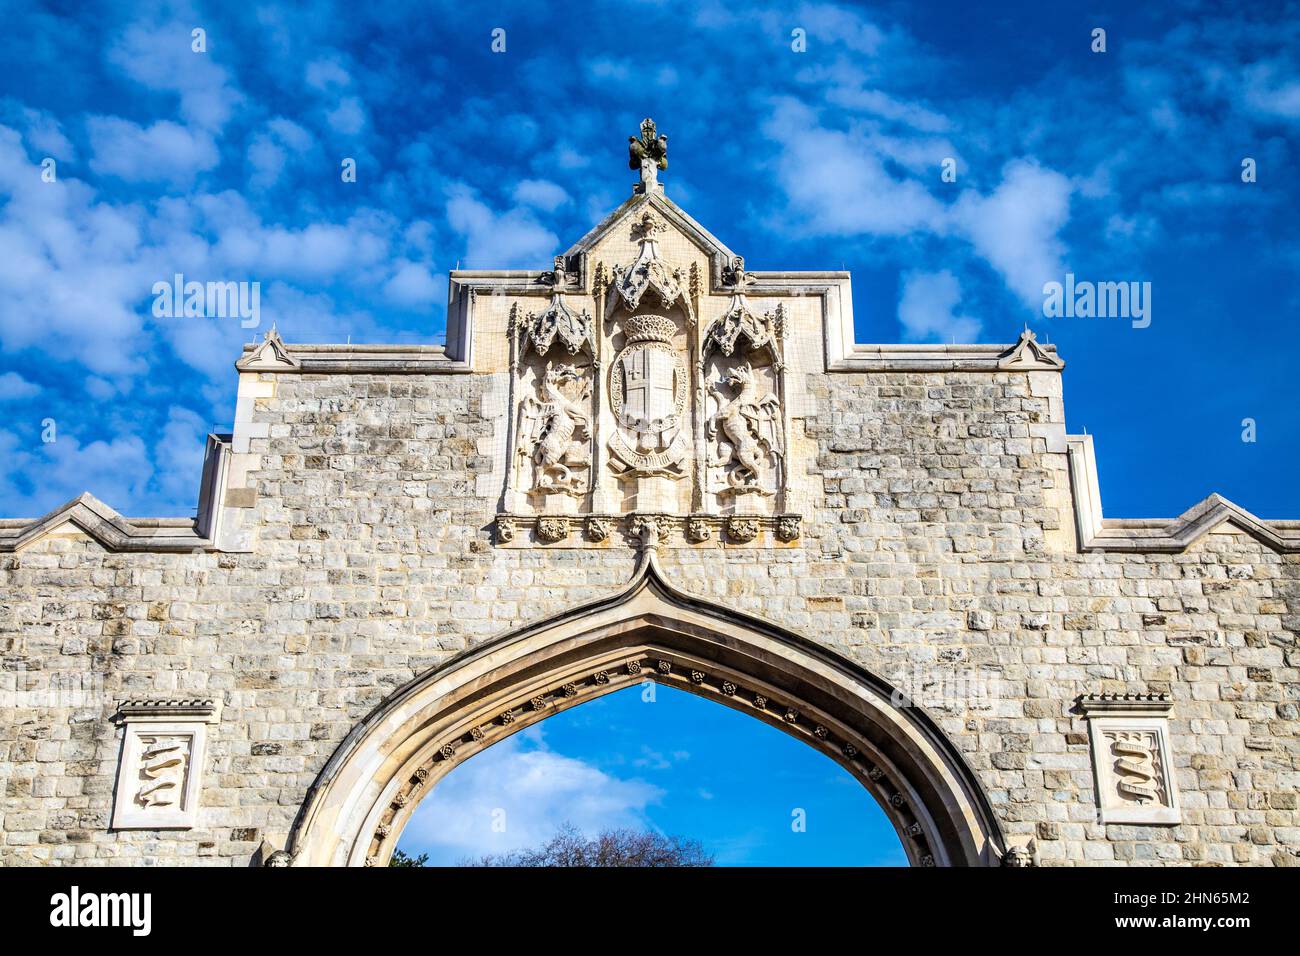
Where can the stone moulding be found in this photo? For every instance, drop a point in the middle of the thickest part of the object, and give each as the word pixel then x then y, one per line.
pixel 709 530
pixel 207 709
pixel 648 630
pixel 1171 535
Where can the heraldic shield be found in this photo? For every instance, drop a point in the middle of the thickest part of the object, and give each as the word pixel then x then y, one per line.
pixel 648 388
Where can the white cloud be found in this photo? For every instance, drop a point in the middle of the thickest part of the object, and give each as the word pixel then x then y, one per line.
pixel 1269 94
pixel 529 787
pixel 160 58
pixel 1016 227
pixel 13 387
pixel 927 309
pixel 412 285
pixel 513 239
pixel 163 152
pixel 327 75
pixel 541 194
pixel 348 118
pixel 838 185
pixel 178 454
pixel 115 471
pixel 271 148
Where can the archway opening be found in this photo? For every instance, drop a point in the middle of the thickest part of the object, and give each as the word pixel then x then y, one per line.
pixel 652 758
pixel 363 797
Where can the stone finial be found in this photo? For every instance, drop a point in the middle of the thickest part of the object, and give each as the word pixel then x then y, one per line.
pixel 649 154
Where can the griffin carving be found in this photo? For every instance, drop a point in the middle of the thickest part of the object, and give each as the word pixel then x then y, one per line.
pixel 555 432
pixel 746 429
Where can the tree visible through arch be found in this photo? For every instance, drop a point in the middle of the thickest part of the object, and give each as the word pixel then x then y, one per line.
pixel 362 799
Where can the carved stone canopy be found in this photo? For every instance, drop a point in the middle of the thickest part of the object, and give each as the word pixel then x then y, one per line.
pixel 540 331
pixel 650 271
pixel 738 323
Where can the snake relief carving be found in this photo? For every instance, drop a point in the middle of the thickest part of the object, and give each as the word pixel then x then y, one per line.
pixel 1135 767
pixel 162 765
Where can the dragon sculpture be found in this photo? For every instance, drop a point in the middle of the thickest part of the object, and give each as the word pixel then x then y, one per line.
pixel 555 432
pixel 746 428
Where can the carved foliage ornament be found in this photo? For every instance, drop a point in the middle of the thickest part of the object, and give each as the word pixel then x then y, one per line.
pixel 552 528
pixel 742 528
pixel 738 322
pixel 650 271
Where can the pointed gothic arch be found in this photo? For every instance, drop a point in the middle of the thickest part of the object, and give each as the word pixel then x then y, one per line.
pixel 366 793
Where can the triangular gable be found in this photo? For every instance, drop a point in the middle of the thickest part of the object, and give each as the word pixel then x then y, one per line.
pixel 87 513
pixel 271 355
pixel 673 214
pixel 1028 354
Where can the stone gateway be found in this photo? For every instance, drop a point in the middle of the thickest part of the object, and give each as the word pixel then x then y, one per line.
pixel 648 463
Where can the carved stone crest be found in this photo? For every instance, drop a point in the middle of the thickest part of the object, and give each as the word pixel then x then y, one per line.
pixel 163 747
pixel 1130 752
pixel 648 391
pixel 745 431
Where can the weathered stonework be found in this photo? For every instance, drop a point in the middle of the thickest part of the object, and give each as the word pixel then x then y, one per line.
pixel 371 518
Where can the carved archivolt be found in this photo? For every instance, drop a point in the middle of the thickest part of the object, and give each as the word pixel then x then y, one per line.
pixel 686 675
pixel 648 631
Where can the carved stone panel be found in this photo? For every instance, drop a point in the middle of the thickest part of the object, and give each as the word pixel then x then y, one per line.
pixel 1130 756
pixel 742 366
pixel 646 409
pixel 161 764
pixel 554 447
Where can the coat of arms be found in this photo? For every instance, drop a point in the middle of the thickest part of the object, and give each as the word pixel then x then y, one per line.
pixel 648 387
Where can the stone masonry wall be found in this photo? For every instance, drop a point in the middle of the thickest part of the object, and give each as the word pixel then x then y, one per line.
pixel 942 538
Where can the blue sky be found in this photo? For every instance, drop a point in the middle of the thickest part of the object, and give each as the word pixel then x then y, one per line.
pixel 657 758
pixel 225 165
